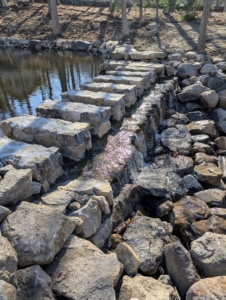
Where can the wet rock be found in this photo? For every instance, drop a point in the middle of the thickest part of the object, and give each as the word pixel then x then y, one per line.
pixel 209 254
pixel 177 139
pixel 216 83
pixel 34 283
pixel 103 233
pixel 165 279
pixel 212 197
pixel 180 267
pixel 221 142
pixel 17 185
pixel 209 99
pixel 4 212
pixel 186 70
pixel 78 260
pixel 208 173
pixel 164 208
pixel 197 207
pixel 191 184
pixel 39 242
pixel 201 158
pixel 128 257
pixel 208 68
pixel 208 289
pixel 202 127
pixel 147 237
pixel 8 261
pixel 192 92
pixel 58 200
pixel 219 116
pixel 7 291
pixel 91 216
pixel 145 288
pixel 217 211
pixel 222 101
pixel 202 138
pixel 213 224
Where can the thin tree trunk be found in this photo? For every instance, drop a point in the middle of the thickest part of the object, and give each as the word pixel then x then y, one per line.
pixel 58 2
pixel 203 25
pixel 125 27
pixel 140 9
pixel 3 3
pixel 55 18
pixel 224 5
pixel 157 10
pixel 49 8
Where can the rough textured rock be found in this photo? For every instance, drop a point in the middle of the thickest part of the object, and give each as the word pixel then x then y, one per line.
pixel 217 211
pixel 212 197
pixel 186 70
pixel 180 267
pixel 165 279
pixel 34 283
pixel 222 101
pixel 181 219
pixel 8 261
pixel 147 237
pixel 191 184
pixel 7 291
pixel 164 208
pixel 103 233
pixel 197 207
pixel 17 185
pixel 221 142
pixel 222 65
pixel 177 139
pixel 208 173
pixel 152 55
pixel 208 289
pixel 103 204
pixel 39 242
pixel 128 257
pixel 145 288
pixel 207 68
pixel 201 158
pixel 209 254
pixel 192 92
pixel 202 127
pixel 209 99
pixel 105 190
pixel 58 200
pixel 4 212
pixel 219 116
pixel 216 83
pixel 78 260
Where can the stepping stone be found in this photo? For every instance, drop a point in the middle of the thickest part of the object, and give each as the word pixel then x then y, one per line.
pixel 72 139
pixel 129 91
pixel 149 76
pixel 115 101
pixel 122 65
pixel 150 55
pixel 97 116
pixel 45 162
pixel 139 82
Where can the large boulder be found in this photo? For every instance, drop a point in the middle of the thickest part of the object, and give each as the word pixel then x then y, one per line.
pixel 39 242
pixel 208 173
pixel 212 197
pixel 186 70
pixel 180 267
pixel 177 139
pixel 7 291
pixel 8 261
pixel 34 283
pixel 192 92
pixel 145 288
pixel 147 237
pixel 202 127
pixel 209 254
pixel 208 68
pixel 208 289
pixel 82 271
pixel 209 99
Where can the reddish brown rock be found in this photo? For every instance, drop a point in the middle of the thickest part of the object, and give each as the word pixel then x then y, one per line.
pixel 197 207
pixel 208 173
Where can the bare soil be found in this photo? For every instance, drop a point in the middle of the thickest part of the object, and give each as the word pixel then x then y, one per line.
pixel 76 22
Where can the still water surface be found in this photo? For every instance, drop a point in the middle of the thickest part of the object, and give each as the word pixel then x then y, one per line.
pixel 27 78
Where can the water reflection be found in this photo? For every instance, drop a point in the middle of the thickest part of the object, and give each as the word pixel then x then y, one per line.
pixel 27 78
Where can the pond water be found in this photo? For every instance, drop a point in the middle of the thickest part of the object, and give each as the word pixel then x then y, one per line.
pixel 27 78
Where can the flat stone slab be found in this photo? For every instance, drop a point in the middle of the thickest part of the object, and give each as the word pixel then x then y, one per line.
pixel 148 75
pixel 129 91
pixel 115 101
pixel 138 82
pixel 123 65
pixel 72 139
pixel 45 162
pixel 150 55
pixel 97 116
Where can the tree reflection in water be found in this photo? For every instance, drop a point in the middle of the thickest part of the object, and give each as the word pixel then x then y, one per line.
pixel 27 78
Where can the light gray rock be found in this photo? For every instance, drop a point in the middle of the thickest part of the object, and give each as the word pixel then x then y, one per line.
pixel 103 233
pixel 191 55
pixel 192 92
pixel 170 71
pixel 7 291
pixel 91 216
pixel 34 283
pixel 58 200
pixel 8 261
pixel 145 288
pixel 147 237
pixel 212 197
pixel 4 212
pixel 79 260
pixel 222 97
pixel 222 65
pixel 217 211
pixel 186 70
pixel 121 52
pixel 207 68
pixel 209 99
pixel 209 254
pixel 103 204
pixel 208 289
pixel 165 279
pixel 175 56
pixel 208 173
pixel 201 158
pixel 180 267
pixel 39 242
pixel 150 55
pixel 202 127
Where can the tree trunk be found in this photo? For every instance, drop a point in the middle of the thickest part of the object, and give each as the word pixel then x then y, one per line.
pixel 157 10
pixel 140 9
pixel 3 3
pixel 203 25
pixel 55 18
pixel 125 27
pixel 224 5
pixel 49 8
pixel 58 2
